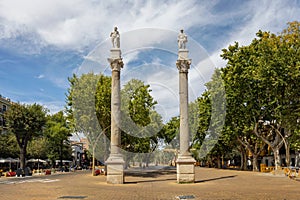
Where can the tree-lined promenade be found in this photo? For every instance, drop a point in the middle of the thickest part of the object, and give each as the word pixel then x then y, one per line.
pixel 262 93
pixel 160 184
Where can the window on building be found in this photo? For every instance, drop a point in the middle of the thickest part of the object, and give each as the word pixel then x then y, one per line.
pixel 4 108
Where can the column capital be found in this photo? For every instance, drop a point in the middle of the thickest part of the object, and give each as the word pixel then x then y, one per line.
pixel 115 63
pixel 183 65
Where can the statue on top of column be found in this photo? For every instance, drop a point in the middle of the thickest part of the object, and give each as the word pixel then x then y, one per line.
pixel 115 38
pixel 182 40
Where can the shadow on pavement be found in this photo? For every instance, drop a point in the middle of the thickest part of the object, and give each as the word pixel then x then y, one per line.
pixel 149 181
pixel 214 179
pixel 151 173
pixel 148 173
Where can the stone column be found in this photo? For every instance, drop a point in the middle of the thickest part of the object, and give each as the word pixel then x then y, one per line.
pixel 115 161
pixel 185 162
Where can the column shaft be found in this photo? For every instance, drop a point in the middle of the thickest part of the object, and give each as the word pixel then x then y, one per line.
pixel 115 112
pixel 115 161
pixel 184 122
pixel 185 162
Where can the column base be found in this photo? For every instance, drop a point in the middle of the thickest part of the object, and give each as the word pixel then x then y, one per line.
pixel 115 169
pixel 185 169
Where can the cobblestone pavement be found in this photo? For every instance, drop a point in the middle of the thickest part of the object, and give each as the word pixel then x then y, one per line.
pixel 152 184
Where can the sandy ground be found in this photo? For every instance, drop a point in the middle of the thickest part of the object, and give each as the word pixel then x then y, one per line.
pixel 149 184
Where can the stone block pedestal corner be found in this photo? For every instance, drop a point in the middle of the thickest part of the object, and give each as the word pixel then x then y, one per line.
pixel 115 171
pixel 186 169
pixel 183 54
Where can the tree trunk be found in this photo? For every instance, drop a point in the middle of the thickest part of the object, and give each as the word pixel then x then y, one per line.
pixel 106 152
pixel 222 162
pixel 275 145
pixel 218 162
pixel 93 165
pixel 60 154
pixel 243 158
pixel 147 162
pixel 22 157
pixel 255 151
pixel 127 161
pixel 297 160
pixel 255 163
pixel 276 158
pixel 287 154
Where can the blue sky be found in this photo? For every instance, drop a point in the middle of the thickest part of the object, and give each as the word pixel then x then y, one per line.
pixel 42 43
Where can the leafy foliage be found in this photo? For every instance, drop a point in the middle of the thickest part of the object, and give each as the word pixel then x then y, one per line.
pixel 260 81
pixel 9 145
pixel 57 132
pixel 141 124
pixel 25 122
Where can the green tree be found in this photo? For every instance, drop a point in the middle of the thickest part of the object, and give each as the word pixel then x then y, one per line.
pixel 171 137
pixel 89 108
pixel 141 124
pixel 25 122
pixel 171 132
pixel 210 111
pixel 9 145
pixel 261 88
pixel 202 112
pixel 38 149
pixel 137 103
pixel 58 132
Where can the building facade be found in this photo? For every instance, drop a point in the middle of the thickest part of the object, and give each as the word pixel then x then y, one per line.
pixel 5 104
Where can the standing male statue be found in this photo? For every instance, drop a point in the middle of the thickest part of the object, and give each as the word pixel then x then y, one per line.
pixel 182 40
pixel 115 38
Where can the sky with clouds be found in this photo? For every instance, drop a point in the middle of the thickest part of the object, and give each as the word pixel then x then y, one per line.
pixel 42 43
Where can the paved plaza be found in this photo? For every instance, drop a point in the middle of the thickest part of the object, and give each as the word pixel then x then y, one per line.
pixel 152 183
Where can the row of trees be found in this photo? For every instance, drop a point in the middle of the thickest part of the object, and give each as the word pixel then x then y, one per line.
pixel 262 98
pixel 259 84
pixel 39 135
pixel 31 132
pixel 89 109
pixel 263 94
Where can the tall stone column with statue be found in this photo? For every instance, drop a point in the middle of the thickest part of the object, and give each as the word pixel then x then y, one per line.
pixel 115 161
pixel 185 161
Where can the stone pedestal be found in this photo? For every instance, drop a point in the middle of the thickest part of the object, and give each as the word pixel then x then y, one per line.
pixel 183 54
pixel 115 169
pixel 115 162
pixel 185 162
pixel 185 169
pixel 115 53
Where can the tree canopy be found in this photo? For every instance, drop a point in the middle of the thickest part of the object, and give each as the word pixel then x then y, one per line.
pixel 25 122
pixel 261 88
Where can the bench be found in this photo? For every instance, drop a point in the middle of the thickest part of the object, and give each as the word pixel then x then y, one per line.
pixel 264 168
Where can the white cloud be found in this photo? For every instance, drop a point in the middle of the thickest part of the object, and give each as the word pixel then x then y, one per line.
pixel 263 15
pixel 40 76
pixel 163 81
pixel 76 24
pixel 52 106
pixel 79 25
